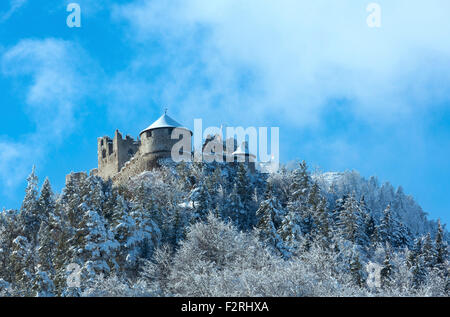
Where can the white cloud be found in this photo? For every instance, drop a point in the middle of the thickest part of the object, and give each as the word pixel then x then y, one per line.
pixel 52 97
pixel 14 6
pixel 298 55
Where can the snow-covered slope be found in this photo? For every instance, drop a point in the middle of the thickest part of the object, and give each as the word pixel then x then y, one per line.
pixel 377 197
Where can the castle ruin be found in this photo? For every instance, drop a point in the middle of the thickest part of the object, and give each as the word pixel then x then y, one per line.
pixel 120 158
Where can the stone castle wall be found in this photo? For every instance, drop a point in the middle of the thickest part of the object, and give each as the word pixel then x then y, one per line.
pixel 121 159
pixel 113 154
pixel 160 142
pixel 134 167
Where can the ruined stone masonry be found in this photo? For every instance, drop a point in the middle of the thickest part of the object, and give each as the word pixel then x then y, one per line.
pixel 120 159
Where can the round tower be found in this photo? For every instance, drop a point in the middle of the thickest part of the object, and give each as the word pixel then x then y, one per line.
pixel 156 140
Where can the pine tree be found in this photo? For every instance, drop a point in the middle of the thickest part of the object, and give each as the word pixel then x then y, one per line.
pixel 356 268
pixel 95 247
pixel 9 230
pixel 46 242
pixel 350 220
pixel 46 202
pixel 428 252
pixel 385 228
pixel 323 225
pixel 23 262
pixel 302 199
pixel 289 230
pixel 441 248
pixel 46 248
pixel 387 270
pixel 43 285
pixel 416 265
pixel 301 182
pixel 309 209
pixel 71 200
pixel 266 214
pixel 63 255
pixel 180 225
pixel 233 206
pixel 339 207
pixel 244 191
pixel 369 226
pixel 392 230
pixel 202 201
pixel 29 212
pixel 143 212
pixel 128 237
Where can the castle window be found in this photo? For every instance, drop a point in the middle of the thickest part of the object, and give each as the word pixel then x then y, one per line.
pixel 104 153
pixel 149 134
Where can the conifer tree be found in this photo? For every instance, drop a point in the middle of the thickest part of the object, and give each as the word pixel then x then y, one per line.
pixel 128 237
pixel 46 202
pixel 29 212
pixel 349 220
pixel 233 206
pixel 96 247
pixel 415 262
pixel 71 200
pixel 441 248
pixel 46 248
pixel 9 230
pixel 339 207
pixel 309 209
pixel 244 191
pixel 202 200
pixel 43 285
pixel 301 182
pixel 23 263
pixel 392 230
pixel 289 230
pixel 63 255
pixel 46 237
pixel 266 214
pixel 428 252
pixel 323 225
pixel 385 228
pixel 356 268
pixel 387 269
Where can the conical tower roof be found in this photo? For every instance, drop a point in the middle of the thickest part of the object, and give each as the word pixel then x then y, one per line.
pixel 163 122
pixel 243 150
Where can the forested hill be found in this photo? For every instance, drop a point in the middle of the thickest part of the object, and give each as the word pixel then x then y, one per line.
pixel 217 230
pixel 376 197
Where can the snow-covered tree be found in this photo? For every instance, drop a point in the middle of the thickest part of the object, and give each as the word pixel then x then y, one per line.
pixel 128 237
pixel 29 212
pixel 267 212
pixel 387 269
pixel 23 265
pixel 43 284
pixel 441 248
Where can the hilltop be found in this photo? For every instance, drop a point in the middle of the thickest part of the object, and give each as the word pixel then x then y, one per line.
pixel 218 230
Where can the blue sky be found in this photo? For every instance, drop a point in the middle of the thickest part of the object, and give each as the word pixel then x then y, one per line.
pixel 344 95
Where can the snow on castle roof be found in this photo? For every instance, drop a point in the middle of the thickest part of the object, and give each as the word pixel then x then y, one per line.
pixel 163 122
pixel 243 150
